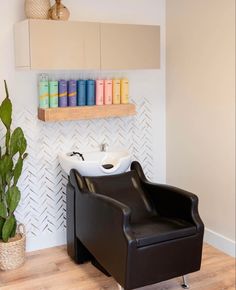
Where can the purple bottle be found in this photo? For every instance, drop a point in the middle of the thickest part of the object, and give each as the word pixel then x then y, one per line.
pixel 62 93
pixel 72 93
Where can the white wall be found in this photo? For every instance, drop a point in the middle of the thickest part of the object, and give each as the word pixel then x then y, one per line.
pixel 201 110
pixel 43 184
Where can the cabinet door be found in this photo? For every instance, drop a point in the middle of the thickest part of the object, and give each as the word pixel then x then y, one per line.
pixel 64 45
pixel 125 46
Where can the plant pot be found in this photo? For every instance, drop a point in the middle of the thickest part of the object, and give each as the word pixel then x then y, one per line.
pixel 12 253
pixel 37 9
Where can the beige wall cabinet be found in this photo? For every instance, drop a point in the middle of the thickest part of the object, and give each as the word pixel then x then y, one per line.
pixel 125 46
pixel 46 44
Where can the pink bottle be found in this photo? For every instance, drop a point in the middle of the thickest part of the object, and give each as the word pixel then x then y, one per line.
pixel 99 92
pixel 108 92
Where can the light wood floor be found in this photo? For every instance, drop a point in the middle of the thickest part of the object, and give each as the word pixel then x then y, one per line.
pixel 52 269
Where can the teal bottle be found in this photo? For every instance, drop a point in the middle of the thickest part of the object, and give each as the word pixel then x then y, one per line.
pixel 53 94
pixel 91 95
pixel 43 92
pixel 81 92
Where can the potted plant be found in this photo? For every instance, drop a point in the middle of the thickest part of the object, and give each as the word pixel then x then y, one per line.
pixel 12 156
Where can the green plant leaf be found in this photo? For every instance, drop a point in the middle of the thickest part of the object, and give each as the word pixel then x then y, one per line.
pixel 7 140
pixel 6 112
pixel 18 170
pixel 13 197
pixel 9 177
pixel 8 228
pixel 13 233
pixel 6 165
pixel 17 142
pixel 1 186
pixel 3 210
pixel 6 89
pixel 2 221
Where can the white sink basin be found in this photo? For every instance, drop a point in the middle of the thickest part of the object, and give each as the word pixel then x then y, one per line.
pixel 96 163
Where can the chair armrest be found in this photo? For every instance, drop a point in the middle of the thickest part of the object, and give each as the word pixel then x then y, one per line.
pixel 104 223
pixel 93 208
pixel 171 201
pixel 115 212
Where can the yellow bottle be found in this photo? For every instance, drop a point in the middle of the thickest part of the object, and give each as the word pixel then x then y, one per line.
pixel 124 88
pixel 116 91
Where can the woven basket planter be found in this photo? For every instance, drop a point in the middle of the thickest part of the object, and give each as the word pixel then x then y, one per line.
pixel 12 253
pixel 37 9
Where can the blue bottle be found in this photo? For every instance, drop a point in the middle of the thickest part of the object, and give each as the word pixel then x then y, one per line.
pixel 81 92
pixel 90 93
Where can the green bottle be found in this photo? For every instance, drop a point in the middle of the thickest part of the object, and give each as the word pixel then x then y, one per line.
pixel 43 92
pixel 53 94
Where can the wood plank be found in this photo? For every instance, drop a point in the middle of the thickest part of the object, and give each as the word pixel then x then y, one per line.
pixel 52 269
pixel 86 112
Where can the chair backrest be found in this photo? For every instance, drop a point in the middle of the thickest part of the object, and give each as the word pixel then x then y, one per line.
pixel 125 188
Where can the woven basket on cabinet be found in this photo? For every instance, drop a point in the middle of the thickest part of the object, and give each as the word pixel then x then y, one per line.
pixel 12 253
pixel 37 9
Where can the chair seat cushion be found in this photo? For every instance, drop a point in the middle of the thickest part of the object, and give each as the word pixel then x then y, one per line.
pixel 159 229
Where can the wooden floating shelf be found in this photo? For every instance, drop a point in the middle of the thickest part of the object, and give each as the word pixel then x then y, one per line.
pixel 86 112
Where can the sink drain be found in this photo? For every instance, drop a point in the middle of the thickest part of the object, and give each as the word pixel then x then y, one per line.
pixel 107 166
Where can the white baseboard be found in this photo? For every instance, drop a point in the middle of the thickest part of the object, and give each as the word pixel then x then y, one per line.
pixel 220 242
pixel 45 241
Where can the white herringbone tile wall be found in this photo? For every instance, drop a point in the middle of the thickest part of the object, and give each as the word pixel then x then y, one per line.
pixel 42 207
pixel 43 183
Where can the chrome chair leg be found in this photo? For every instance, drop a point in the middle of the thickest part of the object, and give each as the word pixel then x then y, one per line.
pixel 185 285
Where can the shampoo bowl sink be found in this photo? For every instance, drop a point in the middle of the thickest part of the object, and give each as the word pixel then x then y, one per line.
pixel 96 163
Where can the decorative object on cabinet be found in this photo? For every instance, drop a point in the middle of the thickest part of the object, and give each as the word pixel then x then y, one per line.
pixel 59 12
pixel 89 45
pixel 86 112
pixel 37 9
pixel 12 238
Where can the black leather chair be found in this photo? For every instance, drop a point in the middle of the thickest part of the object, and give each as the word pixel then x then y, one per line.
pixel 139 232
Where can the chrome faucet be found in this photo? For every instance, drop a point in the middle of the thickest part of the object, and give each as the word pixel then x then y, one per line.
pixel 104 147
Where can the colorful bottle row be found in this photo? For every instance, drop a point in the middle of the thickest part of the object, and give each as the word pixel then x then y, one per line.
pixel 62 93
